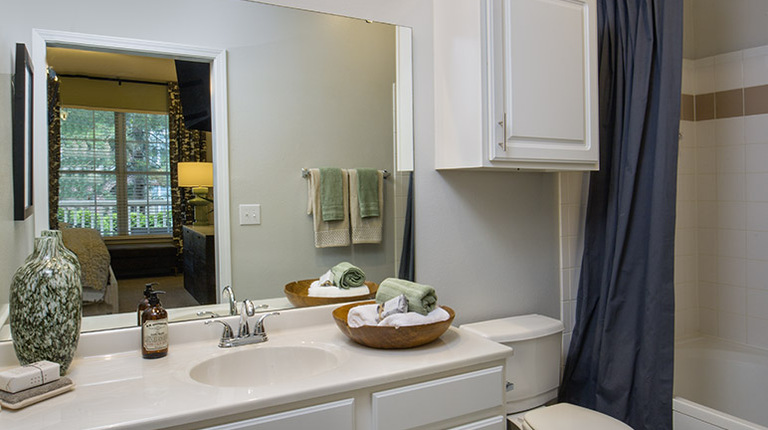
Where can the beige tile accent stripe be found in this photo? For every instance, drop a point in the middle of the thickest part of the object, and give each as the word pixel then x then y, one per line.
pixel 687 108
pixel 705 106
pixel 729 104
pixel 725 104
pixel 756 100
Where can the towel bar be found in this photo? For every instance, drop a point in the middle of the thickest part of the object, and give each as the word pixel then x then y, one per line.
pixel 305 173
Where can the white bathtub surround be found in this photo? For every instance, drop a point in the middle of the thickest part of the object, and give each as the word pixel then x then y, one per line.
pixel 720 385
pixel 129 392
pixel 721 244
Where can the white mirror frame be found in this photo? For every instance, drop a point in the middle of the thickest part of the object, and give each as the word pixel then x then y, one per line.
pixel 41 39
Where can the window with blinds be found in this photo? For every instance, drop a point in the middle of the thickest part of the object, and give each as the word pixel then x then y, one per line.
pixel 115 172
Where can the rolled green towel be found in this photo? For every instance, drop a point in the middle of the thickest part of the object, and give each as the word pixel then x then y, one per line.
pixel 421 298
pixel 345 275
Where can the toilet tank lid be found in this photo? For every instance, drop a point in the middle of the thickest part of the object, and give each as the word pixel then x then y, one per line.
pixel 515 329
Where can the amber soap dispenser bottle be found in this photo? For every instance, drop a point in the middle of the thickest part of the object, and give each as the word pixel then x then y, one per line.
pixel 144 303
pixel 154 328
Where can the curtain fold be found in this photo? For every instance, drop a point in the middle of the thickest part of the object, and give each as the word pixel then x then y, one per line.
pixel 407 269
pixel 185 145
pixel 621 355
pixel 54 148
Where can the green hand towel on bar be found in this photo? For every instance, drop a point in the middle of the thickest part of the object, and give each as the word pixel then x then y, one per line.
pixel 345 275
pixel 331 189
pixel 421 298
pixel 368 192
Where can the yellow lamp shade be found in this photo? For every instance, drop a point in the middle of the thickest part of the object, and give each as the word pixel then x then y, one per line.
pixel 195 174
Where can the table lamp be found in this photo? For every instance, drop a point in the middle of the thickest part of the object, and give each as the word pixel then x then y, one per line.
pixel 198 176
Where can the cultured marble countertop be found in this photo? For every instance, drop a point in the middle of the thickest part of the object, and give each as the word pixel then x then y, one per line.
pixel 117 389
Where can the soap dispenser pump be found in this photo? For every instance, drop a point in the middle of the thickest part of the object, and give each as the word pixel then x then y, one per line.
pixel 154 328
pixel 144 303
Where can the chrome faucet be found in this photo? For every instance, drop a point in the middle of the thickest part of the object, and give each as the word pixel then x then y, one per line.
pixel 246 311
pixel 232 301
pixel 244 336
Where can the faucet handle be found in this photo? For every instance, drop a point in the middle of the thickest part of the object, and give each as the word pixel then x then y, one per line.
pixel 227 334
pixel 259 329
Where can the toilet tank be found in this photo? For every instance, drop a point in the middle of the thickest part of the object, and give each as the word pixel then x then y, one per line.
pixel 534 367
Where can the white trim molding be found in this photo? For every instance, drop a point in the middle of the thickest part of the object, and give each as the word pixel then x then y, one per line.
pixel 41 39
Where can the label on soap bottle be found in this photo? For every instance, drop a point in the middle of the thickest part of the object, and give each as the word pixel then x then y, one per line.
pixel 155 334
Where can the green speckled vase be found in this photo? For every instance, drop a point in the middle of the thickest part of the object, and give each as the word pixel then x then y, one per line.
pixel 65 252
pixel 46 306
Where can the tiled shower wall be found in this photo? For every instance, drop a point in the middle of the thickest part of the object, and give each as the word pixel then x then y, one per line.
pixel 572 205
pixel 721 252
pixel 686 243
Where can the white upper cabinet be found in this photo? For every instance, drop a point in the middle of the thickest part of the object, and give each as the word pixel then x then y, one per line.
pixel 516 84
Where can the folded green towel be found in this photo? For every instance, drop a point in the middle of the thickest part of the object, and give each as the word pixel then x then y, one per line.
pixel 421 298
pixel 345 275
pixel 331 190
pixel 368 192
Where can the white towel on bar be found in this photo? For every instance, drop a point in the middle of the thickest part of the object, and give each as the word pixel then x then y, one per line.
pixel 365 230
pixel 332 233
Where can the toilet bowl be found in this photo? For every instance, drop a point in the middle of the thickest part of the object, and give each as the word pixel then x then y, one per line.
pixel 533 375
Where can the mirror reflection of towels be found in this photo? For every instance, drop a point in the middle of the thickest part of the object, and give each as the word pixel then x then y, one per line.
pixel 331 194
pixel 332 233
pixel 365 230
pixel 368 192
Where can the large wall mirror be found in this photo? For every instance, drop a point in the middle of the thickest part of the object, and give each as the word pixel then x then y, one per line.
pixel 302 90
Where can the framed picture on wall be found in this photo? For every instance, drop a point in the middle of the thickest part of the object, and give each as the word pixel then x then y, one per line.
pixel 22 135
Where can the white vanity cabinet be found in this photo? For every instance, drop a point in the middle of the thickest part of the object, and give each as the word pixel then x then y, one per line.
pixel 437 400
pixel 334 415
pixel 470 400
pixel 516 84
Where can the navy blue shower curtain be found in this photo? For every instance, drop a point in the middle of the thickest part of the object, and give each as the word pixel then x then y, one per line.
pixel 620 360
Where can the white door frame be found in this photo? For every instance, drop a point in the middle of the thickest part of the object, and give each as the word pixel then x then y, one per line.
pixel 41 39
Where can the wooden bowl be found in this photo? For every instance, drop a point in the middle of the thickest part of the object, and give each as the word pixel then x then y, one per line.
pixel 391 337
pixel 296 292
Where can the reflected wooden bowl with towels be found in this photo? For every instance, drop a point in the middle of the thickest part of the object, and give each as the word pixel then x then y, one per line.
pixel 296 292
pixel 391 337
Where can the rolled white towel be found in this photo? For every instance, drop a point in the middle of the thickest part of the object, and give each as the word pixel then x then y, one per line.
pixel 395 305
pixel 415 318
pixel 363 315
pixel 318 290
pixel 327 279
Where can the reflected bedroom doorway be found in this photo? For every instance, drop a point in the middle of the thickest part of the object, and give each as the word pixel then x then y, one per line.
pixel 120 138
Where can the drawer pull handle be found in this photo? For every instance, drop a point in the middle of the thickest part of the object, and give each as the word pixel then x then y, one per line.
pixel 510 386
pixel 503 125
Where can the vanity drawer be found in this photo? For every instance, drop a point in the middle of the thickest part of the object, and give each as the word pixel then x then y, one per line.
pixel 498 422
pixel 335 415
pixel 434 401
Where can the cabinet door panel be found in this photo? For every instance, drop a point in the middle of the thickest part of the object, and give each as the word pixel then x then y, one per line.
pixel 549 84
pixel 336 415
pixel 495 423
pixel 442 399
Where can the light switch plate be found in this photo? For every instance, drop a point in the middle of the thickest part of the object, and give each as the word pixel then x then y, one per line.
pixel 250 214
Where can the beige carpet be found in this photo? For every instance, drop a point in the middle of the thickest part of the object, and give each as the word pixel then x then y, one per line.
pixel 131 290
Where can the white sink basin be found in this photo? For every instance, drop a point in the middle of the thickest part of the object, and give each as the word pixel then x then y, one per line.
pixel 264 365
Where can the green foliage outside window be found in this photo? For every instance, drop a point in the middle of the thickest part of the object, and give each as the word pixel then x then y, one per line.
pixel 111 160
